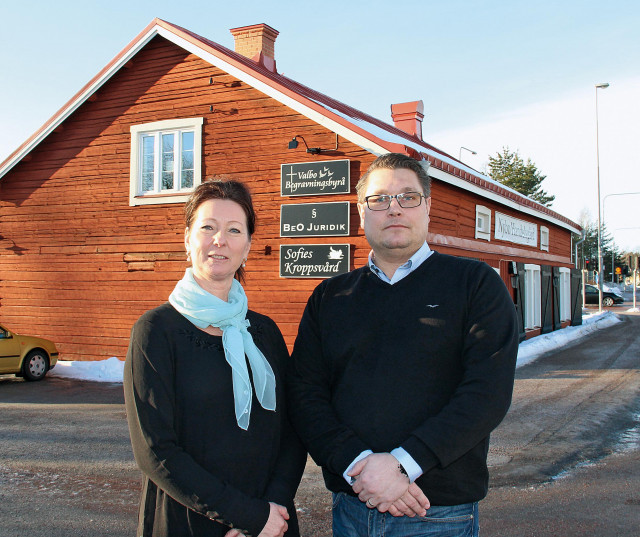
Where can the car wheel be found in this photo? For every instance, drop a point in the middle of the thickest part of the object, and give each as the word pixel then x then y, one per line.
pixel 35 365
pixel 607 301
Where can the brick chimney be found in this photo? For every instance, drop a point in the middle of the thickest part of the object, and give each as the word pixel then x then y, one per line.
pixel 408 117
pixel 257 43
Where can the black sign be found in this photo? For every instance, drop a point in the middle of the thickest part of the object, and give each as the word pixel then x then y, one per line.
pixel 313 260
pixel 315 178
pixel 315 219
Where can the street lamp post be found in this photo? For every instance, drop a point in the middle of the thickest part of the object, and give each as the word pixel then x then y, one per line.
pixel 599 86
pixel 466 149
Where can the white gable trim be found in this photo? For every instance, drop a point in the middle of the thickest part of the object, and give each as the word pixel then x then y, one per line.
pixel 354 137
pixel 321 118
pixel 272 92
pixel 72 106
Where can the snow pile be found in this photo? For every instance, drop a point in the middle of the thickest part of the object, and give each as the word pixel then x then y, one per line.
pixel 100 371
pixel 111 370
pixel 530 350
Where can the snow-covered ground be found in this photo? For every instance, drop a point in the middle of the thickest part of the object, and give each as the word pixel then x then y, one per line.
pixel 111 370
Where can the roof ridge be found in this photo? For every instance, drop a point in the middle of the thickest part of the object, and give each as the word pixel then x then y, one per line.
pixel 311 99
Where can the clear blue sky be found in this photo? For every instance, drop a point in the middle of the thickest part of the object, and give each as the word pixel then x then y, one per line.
pixel 488 72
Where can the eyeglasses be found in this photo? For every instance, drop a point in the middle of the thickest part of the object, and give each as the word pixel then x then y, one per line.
pixel 406 200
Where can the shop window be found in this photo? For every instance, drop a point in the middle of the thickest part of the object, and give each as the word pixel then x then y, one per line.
pixel 565 294
pixel 544 238
pixel 532 301
pixel 165 160
pixel 483 223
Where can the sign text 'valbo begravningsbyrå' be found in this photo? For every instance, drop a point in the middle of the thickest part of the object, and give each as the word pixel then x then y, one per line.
pixel 315 178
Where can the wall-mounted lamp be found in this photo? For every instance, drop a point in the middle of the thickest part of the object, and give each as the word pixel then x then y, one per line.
pixel 293 144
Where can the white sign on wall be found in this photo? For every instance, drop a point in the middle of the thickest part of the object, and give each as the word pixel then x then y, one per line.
pixel 515 230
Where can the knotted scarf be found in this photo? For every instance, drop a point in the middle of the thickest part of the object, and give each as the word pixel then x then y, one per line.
pixel 204 309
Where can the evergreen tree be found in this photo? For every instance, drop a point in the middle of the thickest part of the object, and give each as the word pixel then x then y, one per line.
pixel 509 169
pixel 588 250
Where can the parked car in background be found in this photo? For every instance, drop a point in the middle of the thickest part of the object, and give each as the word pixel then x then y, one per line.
pixel 26 356
pixel 609 297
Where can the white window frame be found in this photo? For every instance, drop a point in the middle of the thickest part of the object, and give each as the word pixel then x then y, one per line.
pixel 483 222
pixel 532 299
pixel 544 238
pixel 136 195
pixel 565 294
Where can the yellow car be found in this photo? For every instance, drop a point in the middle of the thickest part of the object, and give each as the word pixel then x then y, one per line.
pixel 26 356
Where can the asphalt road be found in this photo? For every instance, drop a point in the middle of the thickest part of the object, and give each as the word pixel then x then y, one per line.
pixel 566 460
pixel 66 467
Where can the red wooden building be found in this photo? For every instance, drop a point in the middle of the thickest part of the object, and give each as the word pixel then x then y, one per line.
pixel 91 226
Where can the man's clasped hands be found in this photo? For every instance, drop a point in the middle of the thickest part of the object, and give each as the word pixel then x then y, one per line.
pixel 378 481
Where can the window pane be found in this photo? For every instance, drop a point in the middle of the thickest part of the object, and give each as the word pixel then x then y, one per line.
pixel 187 179
pixel 167 143
pixel 147 182
pixel 167 180
pixel 147 163
pixel 167 161
pixel 187 141
pixel 187 160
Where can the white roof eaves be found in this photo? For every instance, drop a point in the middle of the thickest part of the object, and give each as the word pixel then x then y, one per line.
pixel 452 179
pixel 365 143
pixel 370 144
pixel 470 187
pixel 354 137
pixel 72 106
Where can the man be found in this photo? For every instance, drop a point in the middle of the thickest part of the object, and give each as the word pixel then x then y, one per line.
pixel 402 368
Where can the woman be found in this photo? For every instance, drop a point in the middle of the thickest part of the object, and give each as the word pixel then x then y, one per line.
pixel 208 430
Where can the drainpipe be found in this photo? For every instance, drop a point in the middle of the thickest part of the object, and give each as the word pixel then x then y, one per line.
pixel 584 236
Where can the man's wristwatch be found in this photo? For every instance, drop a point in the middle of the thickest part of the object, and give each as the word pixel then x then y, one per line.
pixel 402 470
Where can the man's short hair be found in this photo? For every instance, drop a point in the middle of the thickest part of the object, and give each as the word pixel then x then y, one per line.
pixel 394 161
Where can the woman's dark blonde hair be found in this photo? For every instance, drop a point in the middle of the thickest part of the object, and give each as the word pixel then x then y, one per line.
pixel 222 189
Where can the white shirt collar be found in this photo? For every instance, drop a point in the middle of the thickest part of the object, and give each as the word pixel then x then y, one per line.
pixel 412 264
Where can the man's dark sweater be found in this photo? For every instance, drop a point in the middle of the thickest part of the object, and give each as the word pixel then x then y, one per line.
pixel 426 364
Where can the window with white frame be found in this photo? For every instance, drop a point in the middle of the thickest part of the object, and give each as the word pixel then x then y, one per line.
pixel 165 160
pixel 532 299
pixel 565 294
pixel 544 238
pixel 483 223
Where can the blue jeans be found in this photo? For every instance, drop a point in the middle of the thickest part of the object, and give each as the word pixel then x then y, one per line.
pixel 352 518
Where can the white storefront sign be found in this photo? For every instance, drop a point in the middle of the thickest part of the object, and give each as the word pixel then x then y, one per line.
pixel 515 230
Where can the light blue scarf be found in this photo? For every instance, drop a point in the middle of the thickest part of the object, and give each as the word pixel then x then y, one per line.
pixel 204 309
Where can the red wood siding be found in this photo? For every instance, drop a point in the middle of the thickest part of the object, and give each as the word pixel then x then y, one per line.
pixel 78 265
